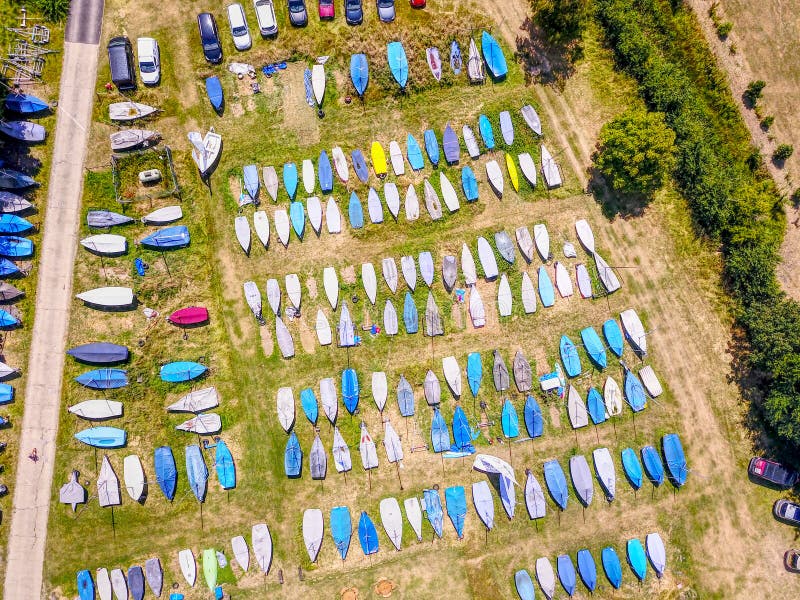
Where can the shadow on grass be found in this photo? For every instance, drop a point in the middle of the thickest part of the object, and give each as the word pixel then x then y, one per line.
pixel 613 204
pixel 543 61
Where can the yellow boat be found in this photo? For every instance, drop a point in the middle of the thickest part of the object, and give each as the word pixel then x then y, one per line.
pixel 512 171
pixel 378 159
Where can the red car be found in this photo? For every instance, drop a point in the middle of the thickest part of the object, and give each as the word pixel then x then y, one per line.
pixel 418 3
pixel 327 10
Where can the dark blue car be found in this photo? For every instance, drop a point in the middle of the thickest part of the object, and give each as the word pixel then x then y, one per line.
pixel 209 37
pixel 353 12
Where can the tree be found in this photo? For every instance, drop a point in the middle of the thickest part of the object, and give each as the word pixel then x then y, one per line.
pixel 754 91
pixel 561 20
pixel 636 153
pixel 783 152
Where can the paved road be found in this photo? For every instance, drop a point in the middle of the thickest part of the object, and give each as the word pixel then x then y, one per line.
pixel 32 490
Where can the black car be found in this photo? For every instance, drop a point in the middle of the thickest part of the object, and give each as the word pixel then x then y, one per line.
pixel 120 61
pixel 787 511
pixel 298 15
pixel 772 473
pixel 353 12
pixel 209 37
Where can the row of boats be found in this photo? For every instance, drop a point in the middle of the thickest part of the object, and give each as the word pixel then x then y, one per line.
pixel 165 473
pixel 637 557
pixel 337 163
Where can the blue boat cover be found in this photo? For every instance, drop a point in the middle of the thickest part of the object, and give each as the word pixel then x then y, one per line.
pixel 367 534
pixel 456 501
pixel 594 347
pixel 433 509
pixel 410 314
pixel 359 73
pixel 360 165
pixel 196 472
pixel 612 566
pixel 251 182
pixel 325 173
pixel 556 483
pixel 350 390
pixel 469 184
pixel 587 569
pixel 675 459
pixel 414 153
pixel 634 392
pixel 485 127
pixel 292 456
pixel 297 214
pixel 102 437
pixel 456 60
pixel 7 319
pixel 405 400
pixel 509 420
pixel 440 434
pixel 166 471
pixel 6 393
pixel 182 371
pixel 632 467
pixel 99 353
pixel 431 146
pixel 398 63
pixel 14 224
pixel 652 465
pixel 341 529
pixel 566 573
pixel 462 434
pixel 7 268
pixel 493 55
pixel 637 559
pixel 136 582
pixel 596 406
pixel 226 470
pixel 524 583
pixel 546 291
pixel 25 103
pixel 176 236
pixel 613 335
pixel 215 94
pixel 104 379
pixel 85 585
pixel 474 372
pixel 534 422
pixel 355 211
pixel 309 403
pixel 13 246
pixel 290 179
pixel 452 149
pixel 569 356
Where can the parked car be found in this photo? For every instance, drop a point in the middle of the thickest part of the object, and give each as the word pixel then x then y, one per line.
pixel 417 3
pixel 772 472
pixel 209 37
pixel 265 15
pixel 120 60
pixel 792 560
pixel 327 10
pixel 298 15
pixel 353 12
pixel 239 29
pixel 385 10
pixel 787 511
pixel 149 60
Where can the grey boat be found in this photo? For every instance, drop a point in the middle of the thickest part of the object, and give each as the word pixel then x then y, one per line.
pixel 433 318
pixel 433 389
pixel 500 373
pixel 523 376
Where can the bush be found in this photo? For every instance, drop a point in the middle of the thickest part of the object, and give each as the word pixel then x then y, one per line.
pixel 767 122
pixel 723 29
pixel 783 152
pixel 53 10
pixel 636 152
pixel 754 90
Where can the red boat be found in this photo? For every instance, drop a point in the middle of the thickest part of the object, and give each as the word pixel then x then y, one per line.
pixel 191 315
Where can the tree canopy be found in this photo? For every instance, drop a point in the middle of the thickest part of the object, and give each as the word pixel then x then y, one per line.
pixel 636 152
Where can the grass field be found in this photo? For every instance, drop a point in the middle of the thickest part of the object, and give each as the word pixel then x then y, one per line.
pixel 16 342
pixel 667 274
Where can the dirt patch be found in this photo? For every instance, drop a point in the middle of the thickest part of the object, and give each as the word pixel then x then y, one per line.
pixel 308 337
pixel 267 341
pixel 384 588
pixel 349 594
pixel 311 285
pixel 298 116
pixel 349 274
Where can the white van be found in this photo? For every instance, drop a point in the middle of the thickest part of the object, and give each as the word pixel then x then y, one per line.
pixel 239 29
pixel 149 60
pixel 265 14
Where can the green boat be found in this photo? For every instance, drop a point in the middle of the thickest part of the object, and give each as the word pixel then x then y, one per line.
pixel 210 567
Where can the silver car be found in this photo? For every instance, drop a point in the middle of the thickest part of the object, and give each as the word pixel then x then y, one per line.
pixel 239 29
pixel 265 15
pixel 385 10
